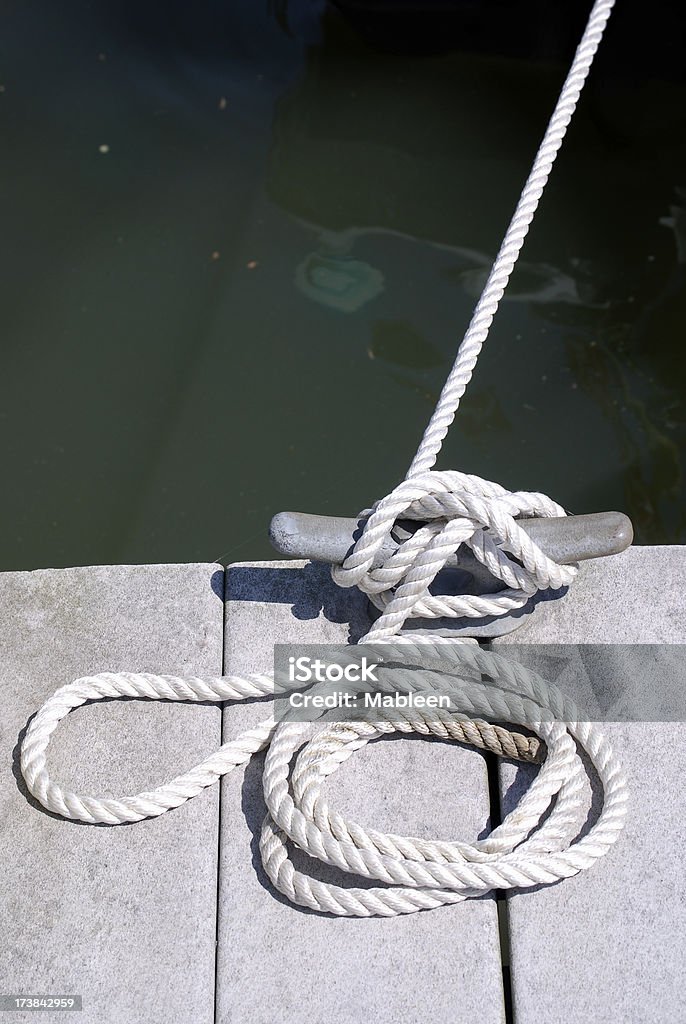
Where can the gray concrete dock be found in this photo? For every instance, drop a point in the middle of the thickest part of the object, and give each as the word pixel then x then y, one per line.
pixel 172 920
pixel 609 944
pixel 123 916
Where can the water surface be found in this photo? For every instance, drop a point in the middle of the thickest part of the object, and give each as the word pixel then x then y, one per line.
pixel 241 242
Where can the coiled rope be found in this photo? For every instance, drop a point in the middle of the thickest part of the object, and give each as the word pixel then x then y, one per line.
pixel 528 848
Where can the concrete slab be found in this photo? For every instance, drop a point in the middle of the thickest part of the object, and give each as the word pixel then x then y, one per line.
pixel 277 961
pixel 631 598
pixel 124 916
pixel 608 944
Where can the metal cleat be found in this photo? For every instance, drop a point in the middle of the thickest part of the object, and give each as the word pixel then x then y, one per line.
pixel 565 539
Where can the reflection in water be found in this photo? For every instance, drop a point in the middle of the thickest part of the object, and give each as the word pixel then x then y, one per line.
pixel 338 281
pixel 329 268
pixel 529 283
pixel 398 342
pixel 651 460
pixel 485 420
pixel 677 222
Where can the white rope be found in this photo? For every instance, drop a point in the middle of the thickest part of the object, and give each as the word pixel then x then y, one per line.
pixel 528 848
pixel 486 307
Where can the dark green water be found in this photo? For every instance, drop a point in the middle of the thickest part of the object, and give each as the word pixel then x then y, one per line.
pixel 250 300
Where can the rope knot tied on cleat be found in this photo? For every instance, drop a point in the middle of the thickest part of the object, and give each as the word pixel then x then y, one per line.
pixel 453 509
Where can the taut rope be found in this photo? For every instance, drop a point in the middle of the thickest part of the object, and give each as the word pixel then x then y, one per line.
pixel 528 848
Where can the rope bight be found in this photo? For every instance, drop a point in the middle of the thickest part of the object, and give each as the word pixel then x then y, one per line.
pixel 539 842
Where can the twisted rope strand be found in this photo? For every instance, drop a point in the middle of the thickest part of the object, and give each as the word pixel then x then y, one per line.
pixel 513 241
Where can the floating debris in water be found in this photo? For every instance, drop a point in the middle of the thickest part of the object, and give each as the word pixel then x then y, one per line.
pixel 223 103
pixel 538 283
pixel 251 264
pixel 215 255
pixel 338 282
pixel 104 148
